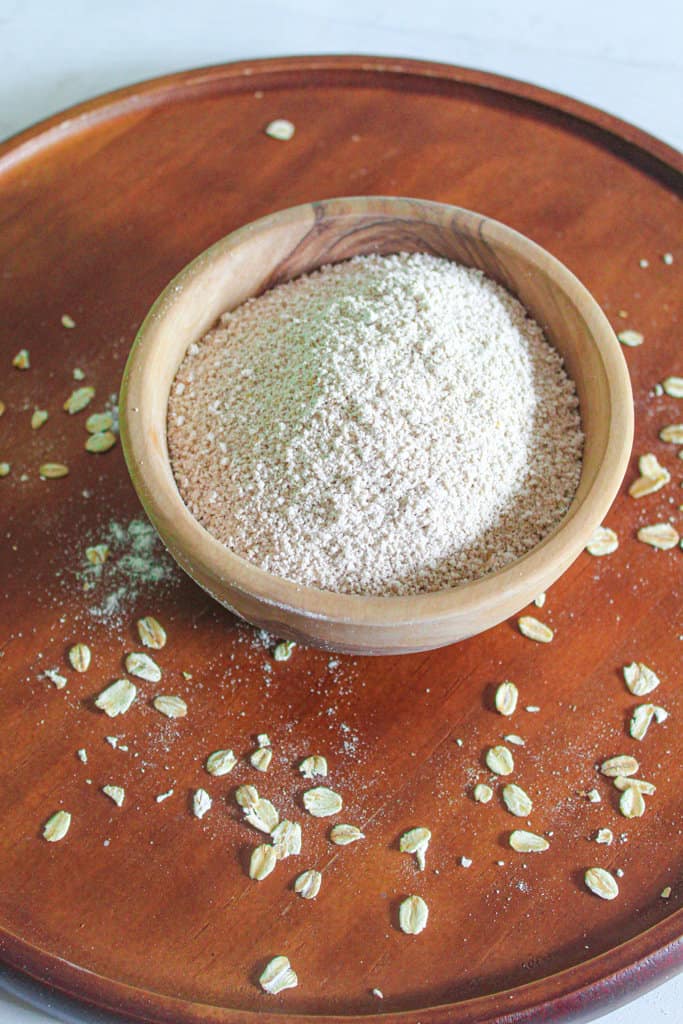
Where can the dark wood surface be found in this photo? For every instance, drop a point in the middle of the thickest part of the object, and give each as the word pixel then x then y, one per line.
pixel 146 910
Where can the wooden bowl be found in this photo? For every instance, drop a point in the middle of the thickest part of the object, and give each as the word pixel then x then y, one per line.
pixel 292 242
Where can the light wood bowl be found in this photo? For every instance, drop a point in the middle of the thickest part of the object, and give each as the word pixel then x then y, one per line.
pixel 292 242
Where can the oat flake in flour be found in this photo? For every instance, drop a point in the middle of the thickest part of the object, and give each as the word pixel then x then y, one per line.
pixel 387 425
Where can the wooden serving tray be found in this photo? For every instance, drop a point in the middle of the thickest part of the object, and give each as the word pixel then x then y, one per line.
pixel 144 909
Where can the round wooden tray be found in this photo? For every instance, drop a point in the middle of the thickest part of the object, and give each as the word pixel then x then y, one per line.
pixel 147 911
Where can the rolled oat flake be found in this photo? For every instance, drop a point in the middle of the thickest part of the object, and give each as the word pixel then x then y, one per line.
pixel 602 883
pixel 278 976
pixel 412 915
pixel 307 885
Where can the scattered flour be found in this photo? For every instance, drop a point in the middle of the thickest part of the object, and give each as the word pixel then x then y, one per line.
pixel 137 559
pixel 388 425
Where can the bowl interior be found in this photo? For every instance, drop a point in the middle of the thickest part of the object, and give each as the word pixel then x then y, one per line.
pixel 285 245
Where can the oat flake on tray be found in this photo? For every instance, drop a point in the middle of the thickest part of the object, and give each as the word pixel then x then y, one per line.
pixel 391 424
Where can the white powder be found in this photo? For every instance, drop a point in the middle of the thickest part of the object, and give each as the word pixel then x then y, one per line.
pixel 392 424
pixel 137 560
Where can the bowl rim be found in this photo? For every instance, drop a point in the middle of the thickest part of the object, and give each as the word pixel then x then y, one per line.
pixel 216 562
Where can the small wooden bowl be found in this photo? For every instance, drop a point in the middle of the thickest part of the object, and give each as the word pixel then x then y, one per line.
pixel 292 242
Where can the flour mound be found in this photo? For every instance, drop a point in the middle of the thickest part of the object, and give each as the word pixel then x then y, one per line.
pixel 388 425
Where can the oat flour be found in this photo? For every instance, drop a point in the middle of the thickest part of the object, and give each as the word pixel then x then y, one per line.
pixel 388 425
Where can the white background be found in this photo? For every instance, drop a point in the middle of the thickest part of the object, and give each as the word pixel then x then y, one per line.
pixel 622 55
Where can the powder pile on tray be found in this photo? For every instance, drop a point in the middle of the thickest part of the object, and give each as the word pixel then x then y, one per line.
pixel 387 425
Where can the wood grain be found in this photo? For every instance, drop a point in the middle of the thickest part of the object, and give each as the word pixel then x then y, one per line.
pixel 150 912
